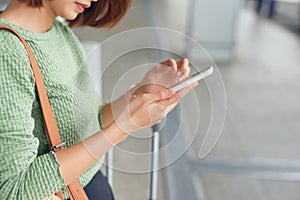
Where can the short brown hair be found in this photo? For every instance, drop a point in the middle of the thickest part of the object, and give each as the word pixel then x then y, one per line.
pixel 101 14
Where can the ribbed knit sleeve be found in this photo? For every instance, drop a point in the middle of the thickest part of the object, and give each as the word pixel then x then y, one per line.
pixel 23 174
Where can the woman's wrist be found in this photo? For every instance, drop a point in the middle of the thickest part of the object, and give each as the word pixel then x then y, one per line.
pixel 114 134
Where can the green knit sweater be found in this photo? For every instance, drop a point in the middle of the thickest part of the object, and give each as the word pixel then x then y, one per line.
pixel 27 171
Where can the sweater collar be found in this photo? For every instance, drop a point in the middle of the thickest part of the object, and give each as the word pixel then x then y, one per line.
pixel 31 35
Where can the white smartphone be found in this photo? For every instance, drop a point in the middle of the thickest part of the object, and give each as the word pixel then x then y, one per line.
pixel 192 79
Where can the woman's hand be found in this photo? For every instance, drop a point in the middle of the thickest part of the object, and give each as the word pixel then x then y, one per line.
pixel 163 76
pixel 147 109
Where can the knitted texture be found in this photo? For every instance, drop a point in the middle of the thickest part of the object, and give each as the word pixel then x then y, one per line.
pixel 27 169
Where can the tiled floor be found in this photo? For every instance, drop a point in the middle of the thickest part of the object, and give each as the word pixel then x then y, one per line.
pixel 263 113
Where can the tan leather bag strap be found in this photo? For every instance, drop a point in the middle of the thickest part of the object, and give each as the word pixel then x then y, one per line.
pixel 75 190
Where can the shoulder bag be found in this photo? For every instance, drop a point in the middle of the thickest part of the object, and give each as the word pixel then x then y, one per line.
pixel 74 189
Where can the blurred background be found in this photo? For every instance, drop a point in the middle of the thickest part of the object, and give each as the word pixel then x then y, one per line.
pixel 256 46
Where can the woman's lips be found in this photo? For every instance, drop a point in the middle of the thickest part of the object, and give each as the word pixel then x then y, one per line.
pixel 81 7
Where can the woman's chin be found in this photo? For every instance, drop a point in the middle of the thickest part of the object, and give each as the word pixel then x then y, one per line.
pixel 70 16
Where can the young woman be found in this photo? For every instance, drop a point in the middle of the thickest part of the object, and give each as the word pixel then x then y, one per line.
pixel 27 169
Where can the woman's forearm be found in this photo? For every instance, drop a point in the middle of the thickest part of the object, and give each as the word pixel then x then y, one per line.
pixel 111 110
pixel 75 160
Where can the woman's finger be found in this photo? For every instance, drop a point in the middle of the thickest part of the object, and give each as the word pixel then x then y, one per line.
pixel 178 96
pixel 158 96
pixel 184 91
pixel 183 67
pixel 170 63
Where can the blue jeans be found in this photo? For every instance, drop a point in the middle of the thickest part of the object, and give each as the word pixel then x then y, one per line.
pixel 98 188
